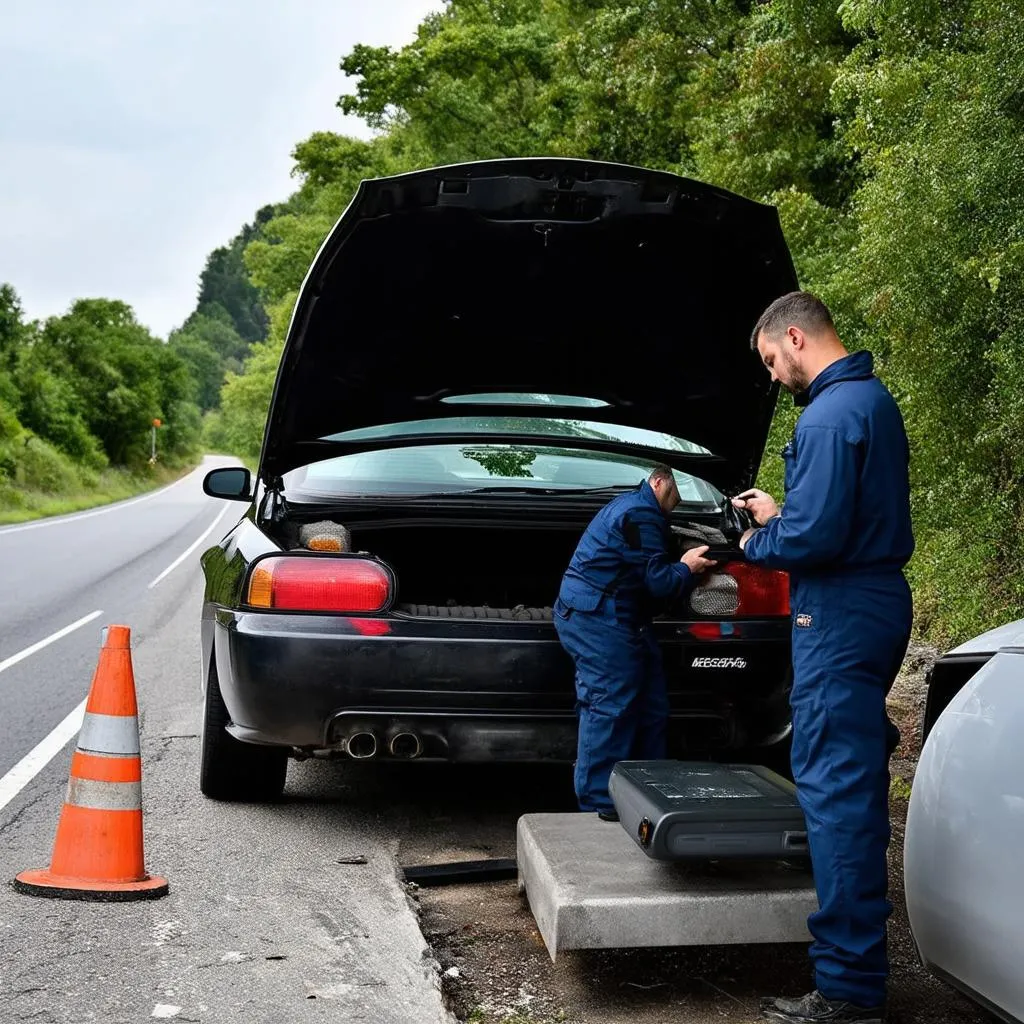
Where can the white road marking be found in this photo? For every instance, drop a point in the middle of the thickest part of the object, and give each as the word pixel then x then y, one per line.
pixel 181 558
pixel 49 747
pixel 22 655
pixel 40 756
pixel 74 518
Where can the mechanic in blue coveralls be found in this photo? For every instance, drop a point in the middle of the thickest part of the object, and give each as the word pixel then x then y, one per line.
pixel 844 534
pixel 621 574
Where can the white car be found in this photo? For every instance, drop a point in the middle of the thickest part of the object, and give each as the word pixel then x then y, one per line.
pixel 964 845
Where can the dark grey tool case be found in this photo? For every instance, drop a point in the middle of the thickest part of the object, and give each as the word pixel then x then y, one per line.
pixel 695 810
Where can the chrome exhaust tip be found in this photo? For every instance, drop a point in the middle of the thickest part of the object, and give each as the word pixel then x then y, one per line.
pixel 405 744
pixel 362 745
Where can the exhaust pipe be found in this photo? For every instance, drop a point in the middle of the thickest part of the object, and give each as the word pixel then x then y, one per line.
pixel 405 744
pixel 362 745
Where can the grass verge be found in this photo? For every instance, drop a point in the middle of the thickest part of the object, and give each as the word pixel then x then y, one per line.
pixel 22 503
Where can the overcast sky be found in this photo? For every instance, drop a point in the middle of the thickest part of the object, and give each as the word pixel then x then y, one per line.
pixel 137 136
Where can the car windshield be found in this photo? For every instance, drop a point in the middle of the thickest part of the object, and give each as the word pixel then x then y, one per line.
pixel 465 468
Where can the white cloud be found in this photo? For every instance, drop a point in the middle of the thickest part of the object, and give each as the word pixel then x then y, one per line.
pixel 138 137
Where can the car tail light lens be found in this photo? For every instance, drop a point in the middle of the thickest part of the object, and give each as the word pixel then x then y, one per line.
pixel 761 591
pixel 742 589
pixel 288 583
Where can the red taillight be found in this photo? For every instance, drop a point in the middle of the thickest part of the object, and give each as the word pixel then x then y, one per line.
pixel 706 630
pixel 319 585
pixel 761 591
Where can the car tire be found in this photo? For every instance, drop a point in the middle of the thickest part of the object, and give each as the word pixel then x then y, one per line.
pixel 232 770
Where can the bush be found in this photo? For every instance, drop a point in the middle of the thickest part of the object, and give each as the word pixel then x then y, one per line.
pixel 40 467
pixel 10 428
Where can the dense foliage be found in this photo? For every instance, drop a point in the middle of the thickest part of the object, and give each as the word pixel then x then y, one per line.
pixel 889 133
pixel 89 384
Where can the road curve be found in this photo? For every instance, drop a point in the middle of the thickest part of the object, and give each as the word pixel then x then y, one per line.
pixel 64 578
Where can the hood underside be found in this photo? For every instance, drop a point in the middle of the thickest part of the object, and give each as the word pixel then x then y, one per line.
pixel 636 289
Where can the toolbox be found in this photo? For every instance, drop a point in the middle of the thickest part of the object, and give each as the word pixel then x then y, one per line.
pixel 699 810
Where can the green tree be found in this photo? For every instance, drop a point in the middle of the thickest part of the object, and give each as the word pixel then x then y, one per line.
pixel 622 74
pixel 469 86
pixel 225 289
pixel 50 407
pixel 33 395
pixel 762 115
pixel 122 377
pixel 246 399
pixel 14 335
pixel 213 327
pixel 204 363
pixel 938 267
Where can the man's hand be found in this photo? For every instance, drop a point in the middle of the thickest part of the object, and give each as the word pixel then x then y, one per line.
pixel 747 534
pixel 695 561
pixel 760 505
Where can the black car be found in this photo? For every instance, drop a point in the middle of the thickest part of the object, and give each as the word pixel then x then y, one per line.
pixel 480 357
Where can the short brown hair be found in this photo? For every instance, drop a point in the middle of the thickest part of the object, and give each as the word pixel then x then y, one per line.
pixel 805 310
pixel 662 472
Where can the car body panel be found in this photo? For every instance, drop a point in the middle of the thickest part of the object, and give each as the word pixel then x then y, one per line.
pixel 225 568
pixel 551 261
pixel 965 838
pixel 1009 634
pixel 956 667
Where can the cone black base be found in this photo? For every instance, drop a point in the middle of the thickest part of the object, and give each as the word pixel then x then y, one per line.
pixel 152 889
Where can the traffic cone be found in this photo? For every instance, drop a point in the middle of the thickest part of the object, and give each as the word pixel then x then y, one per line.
pixel 98 850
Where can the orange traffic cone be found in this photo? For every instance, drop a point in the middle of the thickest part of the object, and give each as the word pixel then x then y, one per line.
pixel 98 851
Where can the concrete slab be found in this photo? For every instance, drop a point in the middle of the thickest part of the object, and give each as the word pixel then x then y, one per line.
pixel 590 887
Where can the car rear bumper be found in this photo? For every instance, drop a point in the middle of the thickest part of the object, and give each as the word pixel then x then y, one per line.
pixel 474 737
pixel 494 691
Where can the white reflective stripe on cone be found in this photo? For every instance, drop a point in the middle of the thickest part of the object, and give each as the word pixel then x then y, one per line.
pixel 109 734
pixel 104 796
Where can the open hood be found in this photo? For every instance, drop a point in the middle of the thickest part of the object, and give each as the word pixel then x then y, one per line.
pixel 634 289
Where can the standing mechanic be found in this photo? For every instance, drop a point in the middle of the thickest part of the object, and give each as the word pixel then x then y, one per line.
pixel 844 534
pixel 621 570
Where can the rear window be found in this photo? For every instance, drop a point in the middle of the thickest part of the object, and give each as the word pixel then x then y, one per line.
pixel 462 468
pixel 524 398
pixel 540 426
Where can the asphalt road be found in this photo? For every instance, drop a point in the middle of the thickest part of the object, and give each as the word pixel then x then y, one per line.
pixel 58 572
pixel 262 922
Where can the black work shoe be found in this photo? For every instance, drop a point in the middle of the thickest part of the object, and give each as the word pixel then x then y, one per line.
pixel 814 1008
pixel 608 815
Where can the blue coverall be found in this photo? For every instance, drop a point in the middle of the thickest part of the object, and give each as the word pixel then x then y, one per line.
pixel 621 573
pixel 845 535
